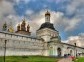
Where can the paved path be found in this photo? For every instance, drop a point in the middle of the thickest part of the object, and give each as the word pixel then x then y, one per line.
pixel 65 60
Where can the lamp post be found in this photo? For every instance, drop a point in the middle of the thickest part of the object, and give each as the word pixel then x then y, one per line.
pixel 5 50
pixel 75 50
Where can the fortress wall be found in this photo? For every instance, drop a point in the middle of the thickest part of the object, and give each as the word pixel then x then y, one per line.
pixel 20 45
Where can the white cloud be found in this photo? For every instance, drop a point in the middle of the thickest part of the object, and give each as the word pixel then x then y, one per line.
pixel 6 8
pixel 57 18
pixel 79 40
pixel 81 34
pixel 8 14
pixel 73 6
pixel 29 12
pixel 36 20
pixel 72 24
pixel 67 24
pixel 75 39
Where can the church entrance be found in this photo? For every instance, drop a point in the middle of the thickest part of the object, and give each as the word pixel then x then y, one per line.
pixel 70 52
pixel 51 51
pixel 59 52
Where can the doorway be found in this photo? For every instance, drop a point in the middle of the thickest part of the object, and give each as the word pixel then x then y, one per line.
pixel 59 52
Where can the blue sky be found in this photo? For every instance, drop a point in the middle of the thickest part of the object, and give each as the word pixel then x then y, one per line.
pixel 66 15
pixel 39 5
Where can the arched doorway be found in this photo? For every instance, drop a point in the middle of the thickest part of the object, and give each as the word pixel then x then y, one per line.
pixel 70 52
pixel 59 52
pixel 51 51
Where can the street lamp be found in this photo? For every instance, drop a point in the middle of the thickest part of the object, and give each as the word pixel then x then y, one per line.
pixel 75 50
pixel 5 50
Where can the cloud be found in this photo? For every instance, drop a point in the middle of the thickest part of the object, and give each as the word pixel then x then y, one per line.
pixel 29 12
pixel 75 39
pixel 72 24
pixel 74 6
pixel 7 13
pixel 81 34
pixel 61 21
pixel 35 19
pixel 6 8
pixel 57 18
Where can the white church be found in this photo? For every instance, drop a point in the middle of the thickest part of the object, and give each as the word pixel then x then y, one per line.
pixel 46 43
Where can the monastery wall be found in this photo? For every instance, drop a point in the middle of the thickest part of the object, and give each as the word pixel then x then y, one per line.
pixel 20 45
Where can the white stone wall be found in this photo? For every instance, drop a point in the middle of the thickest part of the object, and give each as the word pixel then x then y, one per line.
pixel 20 45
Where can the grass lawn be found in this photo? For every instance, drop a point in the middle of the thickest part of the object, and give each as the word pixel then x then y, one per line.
pixel 81 59
pixel 28 59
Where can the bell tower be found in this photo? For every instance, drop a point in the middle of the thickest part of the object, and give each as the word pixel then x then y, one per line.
pixel 48 33
pixel 47 30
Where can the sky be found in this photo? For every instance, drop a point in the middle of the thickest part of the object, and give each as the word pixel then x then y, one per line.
pixel 66 15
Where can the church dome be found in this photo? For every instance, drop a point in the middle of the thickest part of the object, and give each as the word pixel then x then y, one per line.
pixel 47 25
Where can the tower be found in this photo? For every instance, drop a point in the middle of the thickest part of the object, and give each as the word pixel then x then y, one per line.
pixel 47 31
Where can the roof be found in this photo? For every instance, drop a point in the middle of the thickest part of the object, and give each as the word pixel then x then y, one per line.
pixel 47 25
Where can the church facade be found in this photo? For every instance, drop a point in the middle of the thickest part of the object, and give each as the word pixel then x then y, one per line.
pixel 46 43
